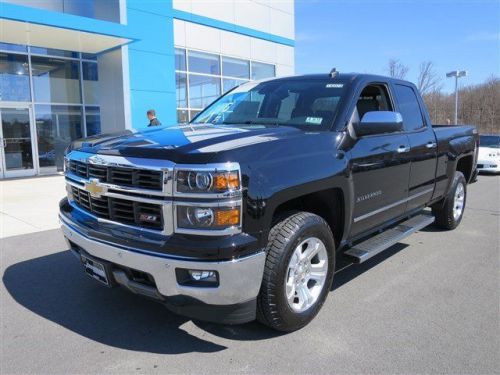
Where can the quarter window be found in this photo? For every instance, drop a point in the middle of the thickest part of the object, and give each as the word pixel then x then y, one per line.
pixel 409 108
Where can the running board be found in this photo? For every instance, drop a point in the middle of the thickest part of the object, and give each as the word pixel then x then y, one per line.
pixel 376 244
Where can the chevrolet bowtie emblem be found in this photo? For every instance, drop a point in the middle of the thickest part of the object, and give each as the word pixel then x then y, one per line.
pixel 95 189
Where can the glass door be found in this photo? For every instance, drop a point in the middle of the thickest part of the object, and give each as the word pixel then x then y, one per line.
pixel 16 142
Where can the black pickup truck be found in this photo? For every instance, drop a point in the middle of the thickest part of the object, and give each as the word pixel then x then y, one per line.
pixel 242 213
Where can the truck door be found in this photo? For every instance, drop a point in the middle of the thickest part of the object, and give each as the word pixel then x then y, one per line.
pixel 423 146
pixel 379 166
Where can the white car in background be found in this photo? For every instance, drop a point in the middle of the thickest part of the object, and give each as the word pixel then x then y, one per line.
pixel 489 154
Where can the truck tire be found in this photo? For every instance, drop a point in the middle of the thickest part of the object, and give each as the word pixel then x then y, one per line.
pixel 298 273
pixel 449 213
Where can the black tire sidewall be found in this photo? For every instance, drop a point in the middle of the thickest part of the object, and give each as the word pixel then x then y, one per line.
pixel 314 227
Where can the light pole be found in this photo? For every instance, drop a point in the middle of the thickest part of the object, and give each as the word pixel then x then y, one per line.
pixel 457 74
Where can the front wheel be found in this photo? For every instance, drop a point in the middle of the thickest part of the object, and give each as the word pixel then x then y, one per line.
pixel 449 214
pixel 298 273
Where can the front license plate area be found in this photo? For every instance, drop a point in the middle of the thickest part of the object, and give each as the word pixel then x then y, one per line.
pixel 95 269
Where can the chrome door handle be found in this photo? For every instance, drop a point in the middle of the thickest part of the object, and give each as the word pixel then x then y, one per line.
pixel 402 149
pixel 431 145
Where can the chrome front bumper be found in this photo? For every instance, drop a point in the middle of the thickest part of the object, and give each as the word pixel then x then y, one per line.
pixel 239 279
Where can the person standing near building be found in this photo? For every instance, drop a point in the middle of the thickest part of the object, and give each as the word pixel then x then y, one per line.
pixel 153 121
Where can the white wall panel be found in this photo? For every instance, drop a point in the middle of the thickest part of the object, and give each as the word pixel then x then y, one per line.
pixel 253 15
pixel 284 70
pixel 263 50
pixel 222 10
pixel 280 24
pixel 269 16
pixel 233 44
pixel 285 54
pixel 203 37
pixel 184 5
pixel 179 33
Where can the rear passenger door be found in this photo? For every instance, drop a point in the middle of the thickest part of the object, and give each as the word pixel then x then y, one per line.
pixel 423 146
pixel 379 166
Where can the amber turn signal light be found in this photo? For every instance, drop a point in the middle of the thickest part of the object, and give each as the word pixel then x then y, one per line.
pixel 227 217
pixel 227 181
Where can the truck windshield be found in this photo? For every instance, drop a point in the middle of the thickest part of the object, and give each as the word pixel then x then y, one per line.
pixel 489 141
pixel 309 104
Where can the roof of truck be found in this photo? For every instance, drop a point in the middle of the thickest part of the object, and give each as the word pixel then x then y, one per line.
pixel 339 76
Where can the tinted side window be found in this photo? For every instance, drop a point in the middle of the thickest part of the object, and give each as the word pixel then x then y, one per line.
pixel 409 108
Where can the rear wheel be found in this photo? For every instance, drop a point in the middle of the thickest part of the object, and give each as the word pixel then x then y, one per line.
pixel 449 214
pixel 298 272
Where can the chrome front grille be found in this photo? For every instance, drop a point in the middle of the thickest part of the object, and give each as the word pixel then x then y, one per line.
pixel 132 177
pixel 124 211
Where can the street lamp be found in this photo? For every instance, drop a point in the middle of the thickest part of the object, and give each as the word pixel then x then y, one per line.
pixel 457 74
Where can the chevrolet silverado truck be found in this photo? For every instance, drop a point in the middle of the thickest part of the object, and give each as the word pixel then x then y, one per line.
pixel 242 213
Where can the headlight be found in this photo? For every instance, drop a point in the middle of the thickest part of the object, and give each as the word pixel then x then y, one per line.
pixel 217 219
pixel 220 179
pixel 208 199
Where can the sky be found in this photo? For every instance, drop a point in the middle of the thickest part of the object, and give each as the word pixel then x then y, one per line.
pixel 362 35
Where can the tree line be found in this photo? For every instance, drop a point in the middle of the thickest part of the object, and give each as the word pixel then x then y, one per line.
pixel 477 104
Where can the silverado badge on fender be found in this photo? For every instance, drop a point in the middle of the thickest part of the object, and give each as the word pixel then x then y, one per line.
pixel 95 189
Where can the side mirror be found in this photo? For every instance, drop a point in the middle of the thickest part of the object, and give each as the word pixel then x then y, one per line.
pixel 379 122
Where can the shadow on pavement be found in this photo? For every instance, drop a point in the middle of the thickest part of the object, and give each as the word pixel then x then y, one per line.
pixel 55 287
pixel 347 271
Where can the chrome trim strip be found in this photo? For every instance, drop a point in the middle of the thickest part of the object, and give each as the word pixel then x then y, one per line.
pixel 167 224
pixel 121 196
pixel 74 177
pixel 165 166
pixel 392 205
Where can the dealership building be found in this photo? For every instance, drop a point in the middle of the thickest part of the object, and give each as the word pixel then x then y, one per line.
pixel 75 68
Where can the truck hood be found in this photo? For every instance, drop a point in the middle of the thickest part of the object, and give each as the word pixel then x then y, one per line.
pixel 185 140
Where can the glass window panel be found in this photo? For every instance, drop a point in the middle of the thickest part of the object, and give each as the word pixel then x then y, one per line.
pixel 409 107
pixel 229 83
pixel 182 116
pixel 53 52
pixel 14 77
pixel 13 47
pixel 17 138
pixel 200 62
pixel 93 120
pixel 56 127
pixel 261 70
pixel 235 68
pixel 56 80
pixel 90 83
pixel 192 114
pixel 180 59
pixel 203 90
pixel 181 89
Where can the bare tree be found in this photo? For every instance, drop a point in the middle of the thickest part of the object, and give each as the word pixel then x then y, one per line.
pixel 396 69
pixel 428 80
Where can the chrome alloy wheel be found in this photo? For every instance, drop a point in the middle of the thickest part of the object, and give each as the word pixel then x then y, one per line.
pixel 458 201
pixel 306 275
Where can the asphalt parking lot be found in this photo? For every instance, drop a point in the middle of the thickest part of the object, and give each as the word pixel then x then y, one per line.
pixel 430 304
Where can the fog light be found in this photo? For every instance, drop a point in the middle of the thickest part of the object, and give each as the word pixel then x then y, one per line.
pixel 197 278
pixel 197 275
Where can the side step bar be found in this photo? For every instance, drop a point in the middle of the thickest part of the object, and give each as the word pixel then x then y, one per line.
pixel 376 244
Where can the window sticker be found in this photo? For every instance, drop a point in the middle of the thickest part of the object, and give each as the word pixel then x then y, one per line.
pixel 334 85
pixel 314 120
